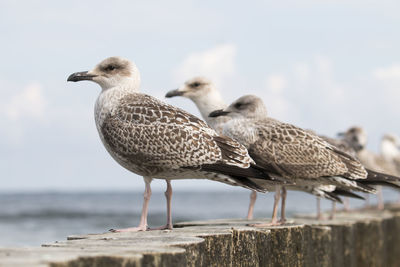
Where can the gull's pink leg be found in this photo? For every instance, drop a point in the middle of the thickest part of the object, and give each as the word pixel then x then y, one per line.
pixel 253 197
pixel 381 204
pixel 168 196
pixel 276 203
pixel 366 205
pixel 319 214
pixel 333 212
pixel 283 206
pixel 346 204
pixel 143 218
pixel 274 220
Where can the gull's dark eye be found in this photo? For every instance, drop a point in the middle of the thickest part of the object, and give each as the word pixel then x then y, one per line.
pixel 110 68
pixel 238 105
pixel 195 84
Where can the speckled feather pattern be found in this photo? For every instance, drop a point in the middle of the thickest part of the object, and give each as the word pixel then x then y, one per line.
pixel 154 139
pixel 291 151
pixel 342 145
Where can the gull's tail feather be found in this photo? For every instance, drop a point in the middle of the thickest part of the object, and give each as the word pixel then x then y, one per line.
pixel 242 176
pixel 378 178
pixel 248 183
pixel 235 171
pixel 357 185
pixel 346 193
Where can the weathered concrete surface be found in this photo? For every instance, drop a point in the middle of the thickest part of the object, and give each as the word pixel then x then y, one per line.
pixel 367 238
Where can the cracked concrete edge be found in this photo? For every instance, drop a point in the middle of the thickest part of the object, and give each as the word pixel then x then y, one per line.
pixel 368 238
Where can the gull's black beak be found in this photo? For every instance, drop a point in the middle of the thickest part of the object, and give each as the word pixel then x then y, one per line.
pixel 217 113
pixel 80 76
pixel 173 93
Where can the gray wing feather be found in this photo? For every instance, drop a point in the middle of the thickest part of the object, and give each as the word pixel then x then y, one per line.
pixel 292 151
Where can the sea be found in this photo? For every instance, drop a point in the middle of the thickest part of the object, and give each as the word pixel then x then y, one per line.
pixel 36 218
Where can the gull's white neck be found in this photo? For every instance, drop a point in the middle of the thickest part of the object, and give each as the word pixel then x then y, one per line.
pixel 243 130
pixel 109 99
pixel 207 103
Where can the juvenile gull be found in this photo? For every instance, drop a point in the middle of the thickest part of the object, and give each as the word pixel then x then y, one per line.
pixel 207 99
pixel 157 140
pixel 289 152
pixel 357 138
pixel 283 149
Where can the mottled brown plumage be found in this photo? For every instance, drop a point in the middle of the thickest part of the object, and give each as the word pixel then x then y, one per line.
pixel 286 150
pixel 293 153
pixel 340 144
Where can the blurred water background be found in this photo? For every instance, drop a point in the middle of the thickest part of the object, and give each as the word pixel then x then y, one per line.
pixel 32 219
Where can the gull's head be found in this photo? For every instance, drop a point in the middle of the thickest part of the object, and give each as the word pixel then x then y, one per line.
pixel 356 136
pixel 111 72
pixel 248 106
pixel 194 88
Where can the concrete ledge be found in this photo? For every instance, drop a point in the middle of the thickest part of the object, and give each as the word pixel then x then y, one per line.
pixel 359 238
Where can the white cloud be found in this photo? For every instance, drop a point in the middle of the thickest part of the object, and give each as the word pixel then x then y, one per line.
pixel 217 63
pixel 29 103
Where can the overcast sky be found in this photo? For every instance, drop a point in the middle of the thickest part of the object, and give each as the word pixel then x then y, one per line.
pixel 322 65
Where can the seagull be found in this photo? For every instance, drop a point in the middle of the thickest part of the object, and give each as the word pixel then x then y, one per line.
pixel 207 98
pixel 390 150
pixel 286 151
pixel 357 138
pixel 156 140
